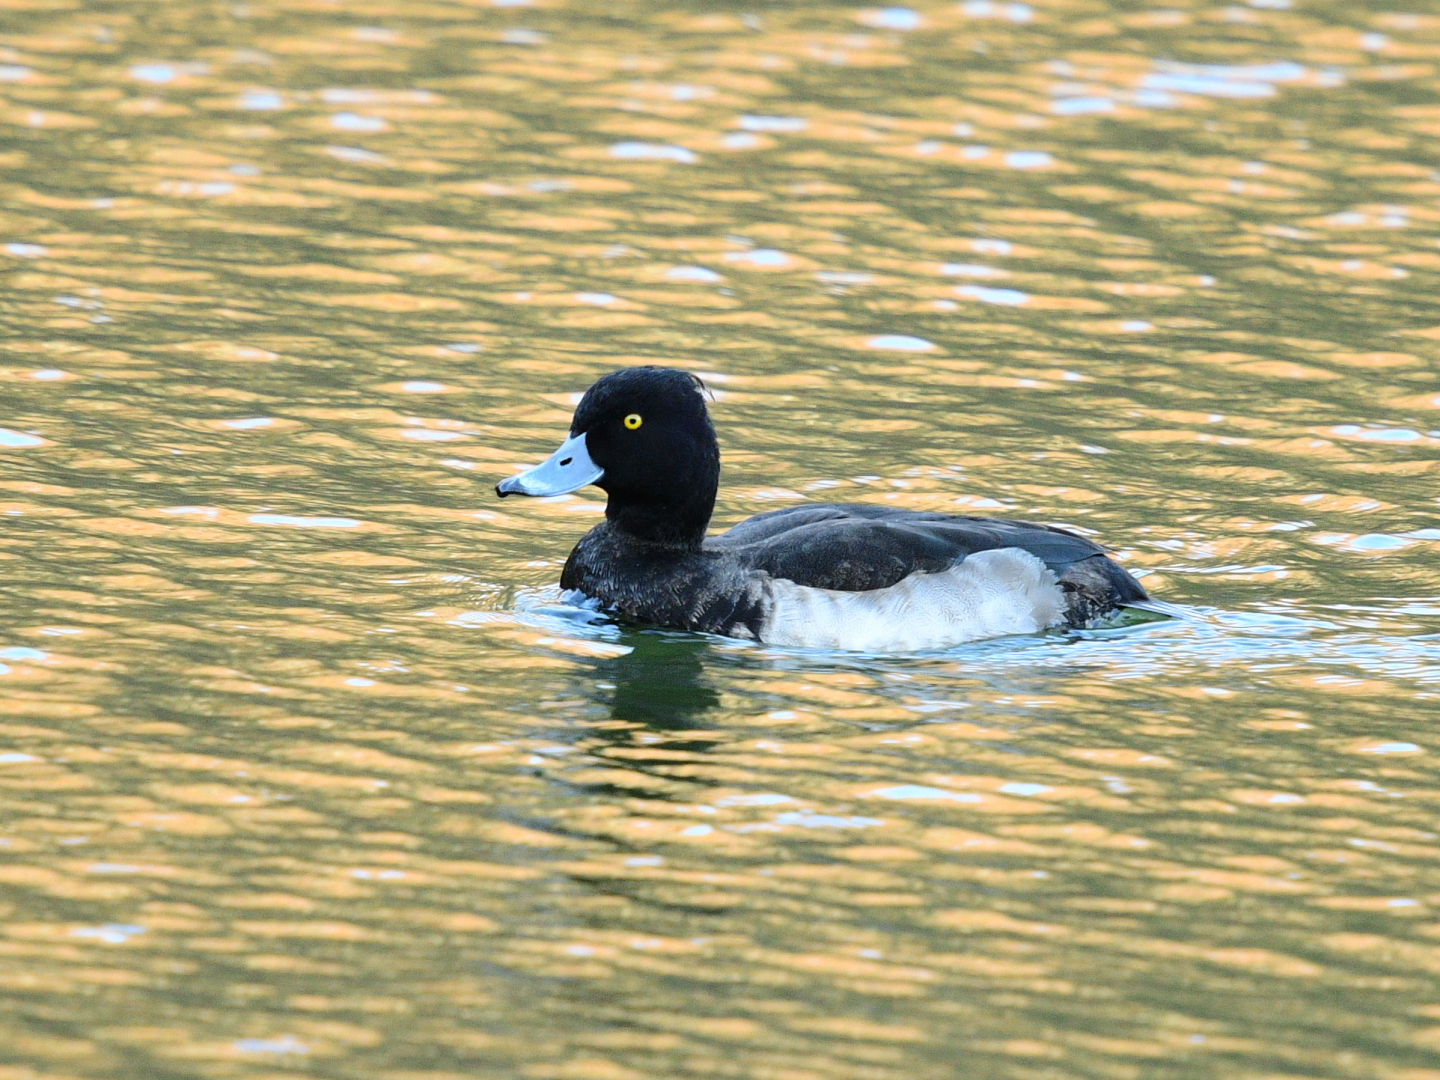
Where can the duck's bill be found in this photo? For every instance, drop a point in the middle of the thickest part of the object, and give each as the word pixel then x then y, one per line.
pixel 568 469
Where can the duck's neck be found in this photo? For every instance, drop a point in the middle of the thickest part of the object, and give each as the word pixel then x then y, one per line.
pixel 680 526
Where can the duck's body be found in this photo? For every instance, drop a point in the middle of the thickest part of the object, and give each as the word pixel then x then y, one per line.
pixel 859 577
pixel 869 578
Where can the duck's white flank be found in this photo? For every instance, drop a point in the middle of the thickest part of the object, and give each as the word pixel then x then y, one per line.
pixel 989 594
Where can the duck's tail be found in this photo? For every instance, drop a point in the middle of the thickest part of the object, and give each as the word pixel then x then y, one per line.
pixel 1094 587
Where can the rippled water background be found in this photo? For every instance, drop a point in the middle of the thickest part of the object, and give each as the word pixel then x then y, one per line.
pixel 304 769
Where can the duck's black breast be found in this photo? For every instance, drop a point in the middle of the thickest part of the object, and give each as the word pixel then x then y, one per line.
pixel 685 589
pixel 855 547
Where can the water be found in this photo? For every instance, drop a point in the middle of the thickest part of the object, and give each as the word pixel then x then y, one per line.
pixel 307 769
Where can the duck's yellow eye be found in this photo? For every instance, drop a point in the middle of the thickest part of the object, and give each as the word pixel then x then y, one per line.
pixel 634 420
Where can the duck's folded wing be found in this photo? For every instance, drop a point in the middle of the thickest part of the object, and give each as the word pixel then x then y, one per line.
pixel 776 522
pixel 832 547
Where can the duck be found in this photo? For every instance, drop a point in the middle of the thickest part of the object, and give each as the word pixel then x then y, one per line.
pixel 839 576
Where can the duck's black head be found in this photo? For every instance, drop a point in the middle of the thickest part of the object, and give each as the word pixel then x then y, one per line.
pixel 643 435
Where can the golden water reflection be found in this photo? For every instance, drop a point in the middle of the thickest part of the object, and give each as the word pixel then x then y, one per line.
pixel 305 768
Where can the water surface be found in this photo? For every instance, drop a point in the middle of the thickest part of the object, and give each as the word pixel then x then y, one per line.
pixel 306 770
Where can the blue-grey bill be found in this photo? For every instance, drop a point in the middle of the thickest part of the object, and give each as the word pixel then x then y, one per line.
pixel 568 469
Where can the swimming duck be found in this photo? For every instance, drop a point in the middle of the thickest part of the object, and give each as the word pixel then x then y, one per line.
pixel 837 576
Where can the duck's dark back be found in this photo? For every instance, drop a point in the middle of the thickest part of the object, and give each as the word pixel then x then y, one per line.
pixel 859 547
